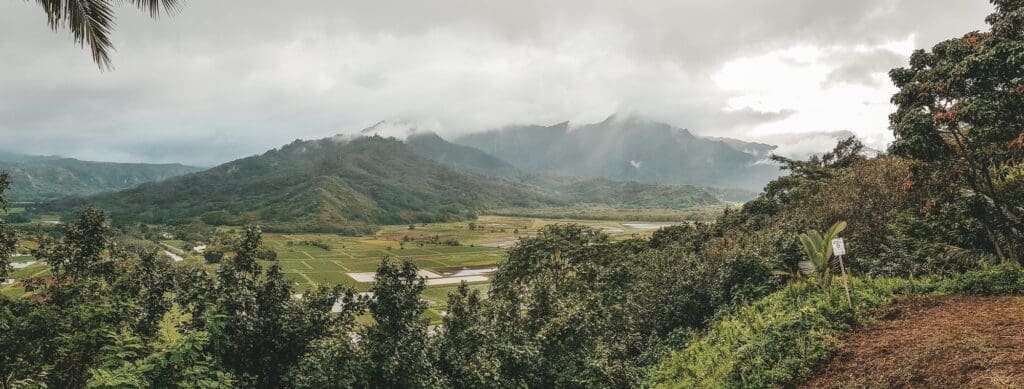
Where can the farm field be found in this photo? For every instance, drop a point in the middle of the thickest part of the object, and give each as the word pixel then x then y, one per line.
pixel 479 251
pixel 312 259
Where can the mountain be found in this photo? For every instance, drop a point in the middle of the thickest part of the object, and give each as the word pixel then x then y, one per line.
pixel 627 149
pixel 341 184
pixel 41 178
pixel 432 146
pixel 575 190
pixel 760 150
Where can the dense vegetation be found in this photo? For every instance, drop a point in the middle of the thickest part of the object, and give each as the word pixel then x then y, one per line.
pixel 782 338
pixel 329 185
pixel 726 304
pixel 350 185
pixel 48 178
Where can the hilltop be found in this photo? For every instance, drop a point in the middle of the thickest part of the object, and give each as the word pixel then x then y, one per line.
pixel 332 184
pixel 40 178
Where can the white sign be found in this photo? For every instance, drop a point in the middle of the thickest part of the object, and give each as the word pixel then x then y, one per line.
pixel 838 247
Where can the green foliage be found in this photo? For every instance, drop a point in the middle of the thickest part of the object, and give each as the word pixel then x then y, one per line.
pixel 917 246
pixel 692 236
pixel 127 362
pixel 775 341
pixel 396 345
pixel 80 254
pixel 8 240
pixel 958 111
pixel 45 178
pixel 260 331
pixel 464 356
pixel 1001 280
pixel 325 185
pixel 315 243
pixel 818 249
pixel 213 256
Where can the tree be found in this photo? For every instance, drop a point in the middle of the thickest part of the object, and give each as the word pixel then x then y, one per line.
pixel 465 354
pixel 396 346
pixel 90 21
pixel 151 284
pixel 80 254
pixel 266 332
pixel 8 240
pixel 333 360
pixel 960 109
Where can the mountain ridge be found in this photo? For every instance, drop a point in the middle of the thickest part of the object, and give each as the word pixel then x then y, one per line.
pixel 627 149
pixel 42 178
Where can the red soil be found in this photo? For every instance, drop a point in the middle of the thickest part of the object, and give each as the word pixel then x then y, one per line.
pixel 934 342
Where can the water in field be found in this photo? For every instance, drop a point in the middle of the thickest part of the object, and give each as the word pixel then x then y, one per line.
pixel 645 226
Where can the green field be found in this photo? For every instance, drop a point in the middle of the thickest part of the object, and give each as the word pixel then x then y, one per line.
pixel 483 246
pixel 13 211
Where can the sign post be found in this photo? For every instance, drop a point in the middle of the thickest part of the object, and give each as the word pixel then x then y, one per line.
pixel 839 249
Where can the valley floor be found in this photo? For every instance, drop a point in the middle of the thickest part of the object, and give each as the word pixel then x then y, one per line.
pixel 934 342
pixel 351 261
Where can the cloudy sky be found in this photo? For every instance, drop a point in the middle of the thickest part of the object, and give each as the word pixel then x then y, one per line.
pixel 228 78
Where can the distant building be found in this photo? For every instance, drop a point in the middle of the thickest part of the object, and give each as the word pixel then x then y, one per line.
pixel 200 248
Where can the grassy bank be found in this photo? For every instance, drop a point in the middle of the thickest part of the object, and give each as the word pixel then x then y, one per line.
pixel 782 338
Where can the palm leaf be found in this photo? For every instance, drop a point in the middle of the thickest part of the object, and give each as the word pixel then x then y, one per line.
pixel 91 21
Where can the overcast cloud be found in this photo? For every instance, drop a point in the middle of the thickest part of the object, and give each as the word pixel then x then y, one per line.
pixel 228 78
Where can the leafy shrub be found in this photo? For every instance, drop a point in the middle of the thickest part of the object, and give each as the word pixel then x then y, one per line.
pixel 776 340
pixel 315 243
pixel 266 254
pixel 213 256
pixel 998 280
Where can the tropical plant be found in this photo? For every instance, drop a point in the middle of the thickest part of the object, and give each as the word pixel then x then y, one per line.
pixel 818 249
pixel 958 111
pixel 90 21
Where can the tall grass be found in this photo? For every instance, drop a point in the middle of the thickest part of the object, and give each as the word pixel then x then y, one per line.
pixel 781 339
pixel 778 339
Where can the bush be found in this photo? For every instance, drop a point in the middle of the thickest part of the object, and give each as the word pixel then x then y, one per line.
pixel 1007 279
pixel 266 254
pixel 777 340
pixel 315 243
pixel 213 256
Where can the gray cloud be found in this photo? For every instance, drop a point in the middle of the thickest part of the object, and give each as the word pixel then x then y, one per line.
pixel 225 79
pixel 862 67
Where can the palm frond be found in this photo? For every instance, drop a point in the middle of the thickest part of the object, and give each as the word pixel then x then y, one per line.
pixel 91 21
pixel 155 7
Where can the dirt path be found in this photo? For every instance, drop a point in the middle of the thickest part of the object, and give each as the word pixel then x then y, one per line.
pixel 934 342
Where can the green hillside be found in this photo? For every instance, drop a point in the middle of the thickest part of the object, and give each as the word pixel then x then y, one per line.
pixel 432 146
pixel 351 185
pixel 45 178
pixel 331 184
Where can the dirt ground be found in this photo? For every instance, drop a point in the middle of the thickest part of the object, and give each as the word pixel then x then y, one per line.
pixel 934 342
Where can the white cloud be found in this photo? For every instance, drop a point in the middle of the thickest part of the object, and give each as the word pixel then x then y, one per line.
pixel 801 79
pixel 219 81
